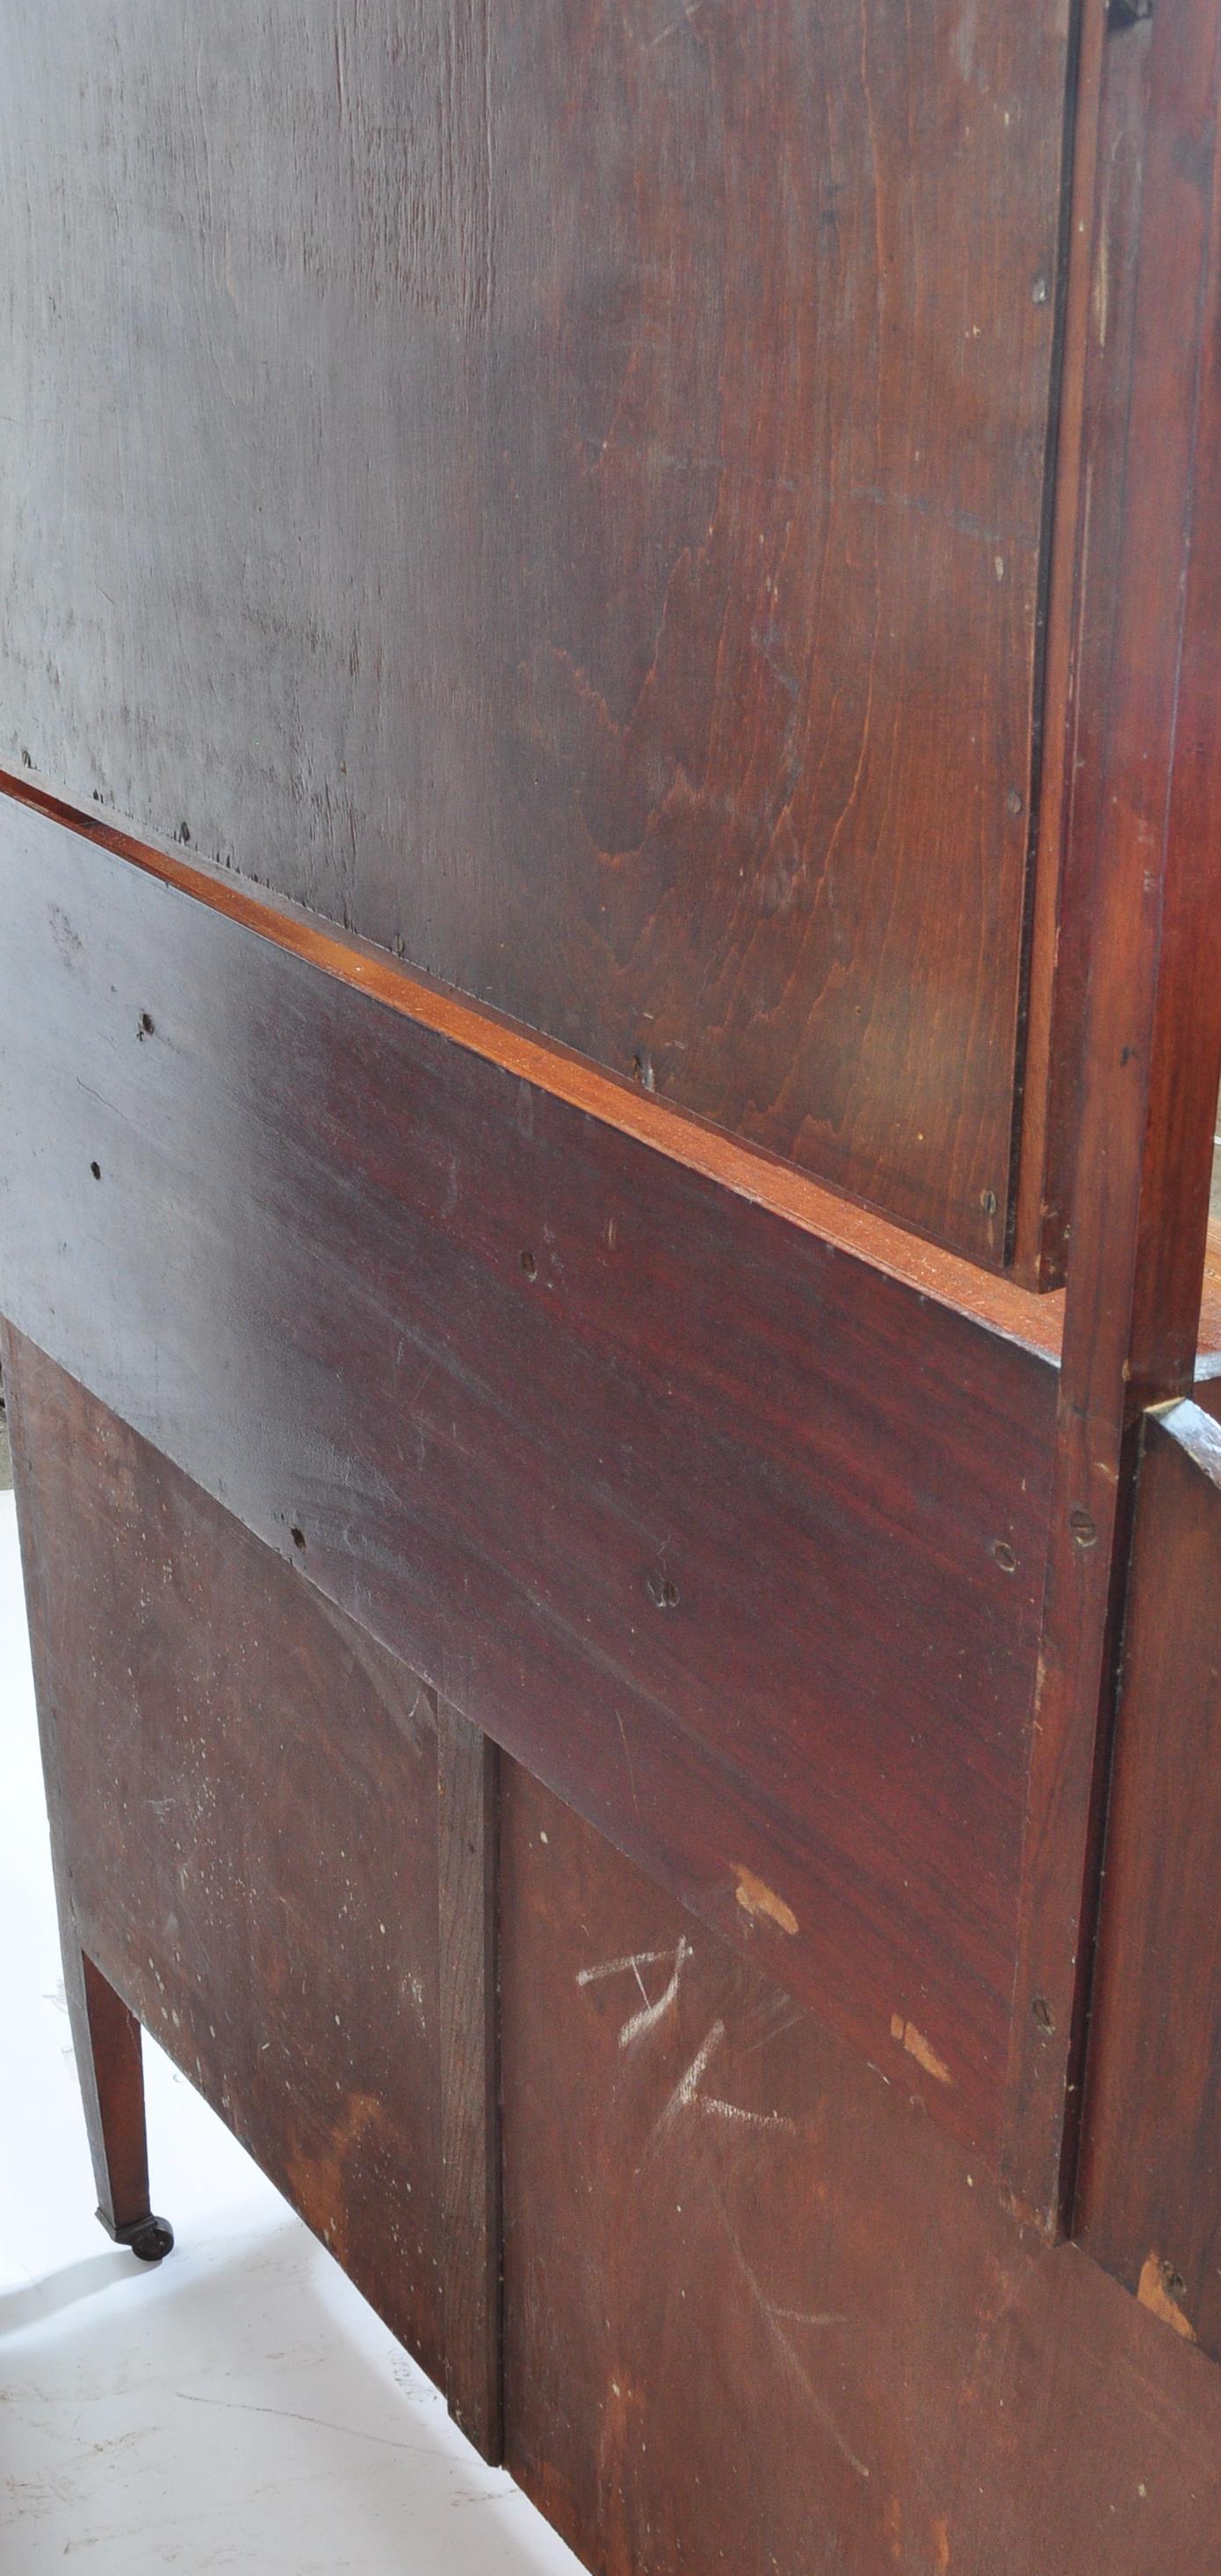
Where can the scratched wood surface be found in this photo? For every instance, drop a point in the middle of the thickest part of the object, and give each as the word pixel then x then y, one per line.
pixel 761 2314
pixel 1149 2201
pixel 758 2307
pixel 1147 811
pixel 481 467
pixel 737 1540
pixel 244 1787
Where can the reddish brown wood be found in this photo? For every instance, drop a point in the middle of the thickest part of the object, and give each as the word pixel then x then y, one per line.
pixel 1100 278
pixel 105 2034
pixel 1152 1056
pixel 1035 1320
pixel 243 1792
pixel 570 472
pixel 736 1539
pixel 1150 2187
pixel 762 2314
pixel 106 2042
pixel 1017 2413
pixel 468 1768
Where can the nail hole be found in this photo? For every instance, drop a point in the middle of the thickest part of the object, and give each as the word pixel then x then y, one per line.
pixel 1173 2282
pixel 662 1591
pixel 297 1536
pixel 183 834
pixel 1043 2016
pixel 1004 1555
pixel 1039 291
pixel 96 1170
pixel 987 1201
pixel 529 1265
pixel 642 1072
pixel 1014 800
pixel 26 761
pixel 145 1029
pixel 1082 1528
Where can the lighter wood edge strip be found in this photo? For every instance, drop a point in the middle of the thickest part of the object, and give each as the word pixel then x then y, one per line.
pixel 844 1225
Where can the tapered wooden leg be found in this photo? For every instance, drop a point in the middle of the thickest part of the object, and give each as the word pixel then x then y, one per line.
pixel 105 2035
pixel 106 2038
pixel 468 1788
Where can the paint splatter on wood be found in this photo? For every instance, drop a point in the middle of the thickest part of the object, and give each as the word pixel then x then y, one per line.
pixel 762 1903
pixel 1158 2291
pixel 917 2046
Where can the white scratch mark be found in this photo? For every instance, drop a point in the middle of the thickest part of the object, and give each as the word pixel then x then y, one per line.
pixel 772 2319
pixel 627 1756
pixel 748 2119
pixel 650 2014
pixel 635 1960
pixel 688 2085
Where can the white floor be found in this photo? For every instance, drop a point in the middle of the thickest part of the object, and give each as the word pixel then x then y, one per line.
pixel 240 2407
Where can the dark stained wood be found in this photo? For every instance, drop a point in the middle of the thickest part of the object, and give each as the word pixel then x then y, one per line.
pixel 1152 817
pixel 105 2034
pixel 1149 2202
pixel 468 1767
pixel 574 468
pixel 1099 282
pixel 243 1787
pixel 1033 1319
pixel 736 1539
pixel 762 2315
pixel 106 2044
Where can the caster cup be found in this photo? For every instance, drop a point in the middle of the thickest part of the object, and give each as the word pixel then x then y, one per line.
pixel 149 2239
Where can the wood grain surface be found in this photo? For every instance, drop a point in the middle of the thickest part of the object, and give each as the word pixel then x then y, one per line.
pixel 1148 809
pixel 478 469
pixel 468 1808
pixel 762 2314
pixel 736 1540
pixel 243 1790
pixel 758 2305
pixel 1149 2203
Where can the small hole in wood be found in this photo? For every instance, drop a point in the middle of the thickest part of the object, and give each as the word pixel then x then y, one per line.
pixel 183 834
pixel 145 1029
pixel 662 1591
pixel 1043 2016
pixel 1082 1527
pixel 642 1072
pixel 96 1170
pixel 297 1536
pixel 529 1265
pixel 987 1201
pixel 1004 1555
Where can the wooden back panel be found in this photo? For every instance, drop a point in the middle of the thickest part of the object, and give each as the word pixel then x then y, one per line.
pixel 1150 2184
pixel 564 490
pixel 734 1537
pixel 257 1881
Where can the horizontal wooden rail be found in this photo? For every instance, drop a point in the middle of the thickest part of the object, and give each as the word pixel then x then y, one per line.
pixel 747 1170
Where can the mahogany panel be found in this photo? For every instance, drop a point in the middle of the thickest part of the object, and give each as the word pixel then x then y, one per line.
pixel 1148 813
pixel 762 2315
pixel 243 1792
pixel 1150 2184
pixel 468 1798
pixel 575 466
pixel 736 1539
